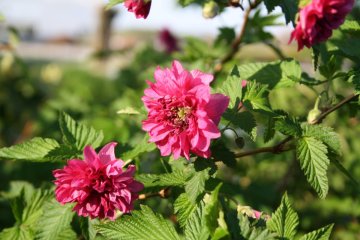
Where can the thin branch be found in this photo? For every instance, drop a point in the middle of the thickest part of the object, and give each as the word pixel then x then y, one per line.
pixel 163 193
pixel 281 146
pixel 332 109
pixel 237 41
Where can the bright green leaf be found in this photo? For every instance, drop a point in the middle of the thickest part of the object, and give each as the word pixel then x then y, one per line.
pixel 320 234
pixel 183 208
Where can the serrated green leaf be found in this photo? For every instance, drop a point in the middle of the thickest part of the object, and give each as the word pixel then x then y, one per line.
pixel 212 210
pixel 325 134
pixel 128 111
pixel 248 232
pixel 275 74
pixel 195 186
pixel 78 135
pixel 221 153
pixel 17 233
pixel 87 228
pixel 35 149
pixel 289 8
pixel 244 120
pixel 176 178
pixel 34 208
pixel 141 147
pixel 54 224
pixel 350 26
pixel 232 88
pixel 314 162
pixel 195 228
pixel 320 234
pixel 256 97
pixel 288 126
pixel 142 224
pixel 183 208
pixel 284 221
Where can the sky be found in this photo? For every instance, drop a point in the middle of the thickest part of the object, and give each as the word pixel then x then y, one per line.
pixel 75 17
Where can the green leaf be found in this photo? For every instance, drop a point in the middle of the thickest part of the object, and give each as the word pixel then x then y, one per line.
pixel 78 135
pixel 35 149
pixel 212 210
pixel 34 208
pixel 87 228
pixel 232 88
pixel 320 234
pixel 17 233
pixel 141 147
pixel 183 208
pixel 277 74
pixel 289 8
pixel 195 186
pixel 244 120
pixel 128 111
pixel 54 224
pixel 176 178
pixel 249 232
pixel 314 162
pixel 195 228
pixel 142 224
pixel 256 96
pixel 221 153
pixel 325 134
pixel 350 26
pixel 288 126
pixel 113 3
pixel 285 220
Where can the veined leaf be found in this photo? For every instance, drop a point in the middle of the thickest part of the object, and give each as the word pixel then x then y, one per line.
pixel 195 186
pixel 248 232
pixel 141 147
pixel 320 234
pixel 232 88
pixel 78 135
pixel 350 26
pixel 256 97
pixel 183 208
pixel 288 126
pixel 176 178
pixel 35 149
pixel 54 224
pixel 289 8
pixel 195 228
pixel 284 221
pixel 212 209
pixel 314 162
pixel 142 224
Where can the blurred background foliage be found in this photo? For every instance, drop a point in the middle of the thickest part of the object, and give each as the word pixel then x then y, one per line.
pixel 33 92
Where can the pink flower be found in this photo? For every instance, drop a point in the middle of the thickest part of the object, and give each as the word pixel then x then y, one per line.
pixel 318 19
pixel 140 8
pixel 97 184
pixel 183 115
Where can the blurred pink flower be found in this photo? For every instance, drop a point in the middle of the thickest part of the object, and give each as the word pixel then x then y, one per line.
pixel 168 40
pixel 98 184
pixel 183 115
pixel 140 8
pixel 318 19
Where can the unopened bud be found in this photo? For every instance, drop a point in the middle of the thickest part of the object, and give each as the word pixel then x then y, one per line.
pixel 210 9
pixel 240 142
pixel 315 112
pixel 234 3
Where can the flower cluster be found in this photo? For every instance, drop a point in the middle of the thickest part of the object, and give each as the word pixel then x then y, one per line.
pixel 318 19
pixel 140 8
pixel 98 184
pixel 183 114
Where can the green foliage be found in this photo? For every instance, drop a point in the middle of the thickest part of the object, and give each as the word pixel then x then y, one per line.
pixel 289 8
pixel 250 232
pixel 232 88
pixel 195 186
pixel 142 224
pixel 78 135
pixel 140 148
pixel 274 74
pixel 27 211
pixel 314 162
pixel 113 3
pixel 320 234
pixel 284 221
pixel 183 208
pixel 54 224
pixel 36 149
pixel 195 228
pixel 255 97
pixel 176 178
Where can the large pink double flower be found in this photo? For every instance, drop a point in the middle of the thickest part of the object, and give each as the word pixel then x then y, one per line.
pixel 98 184
pixel 318 19
pixel 183 114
